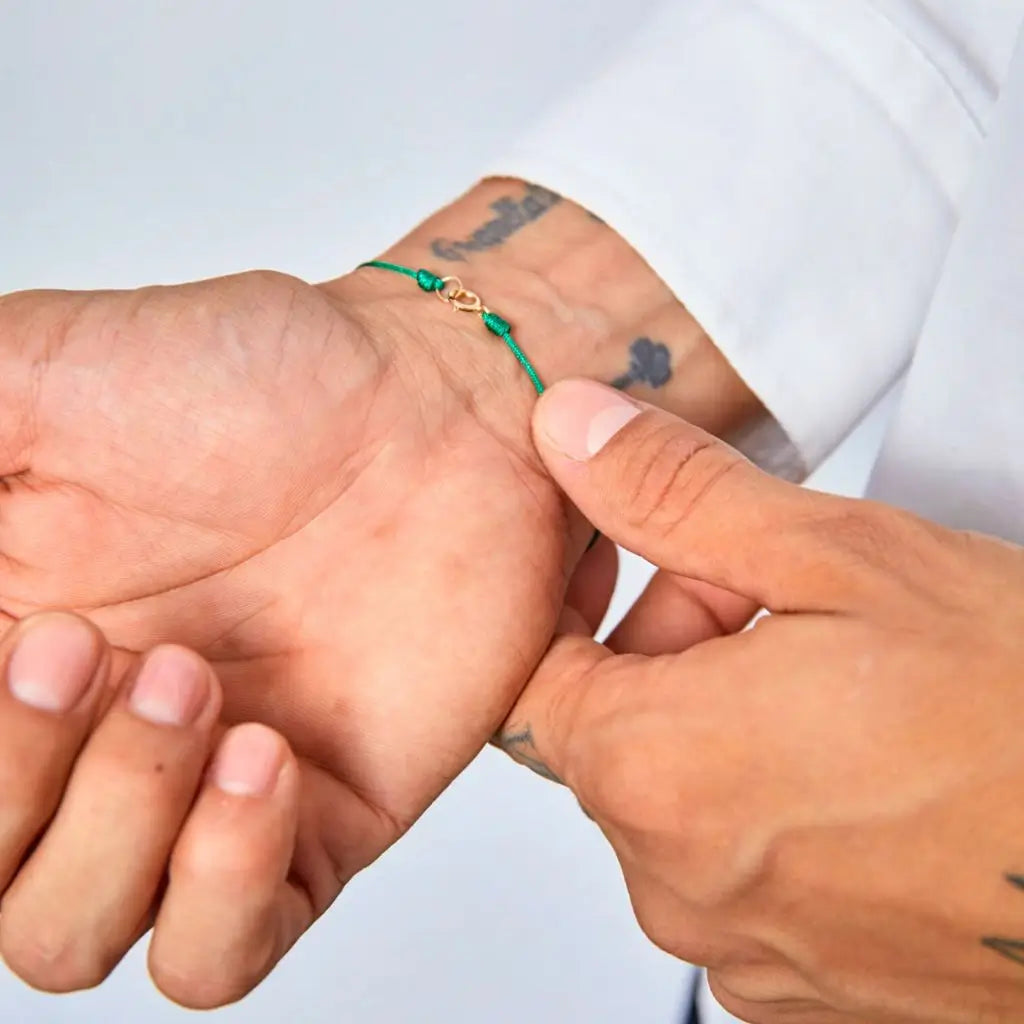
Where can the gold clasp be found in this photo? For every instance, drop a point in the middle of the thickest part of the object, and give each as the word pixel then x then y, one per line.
pixel 458 297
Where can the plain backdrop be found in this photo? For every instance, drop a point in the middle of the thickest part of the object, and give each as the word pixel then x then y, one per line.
pixel 147 141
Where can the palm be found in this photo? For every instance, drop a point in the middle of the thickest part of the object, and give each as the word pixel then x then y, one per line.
pixel 243 467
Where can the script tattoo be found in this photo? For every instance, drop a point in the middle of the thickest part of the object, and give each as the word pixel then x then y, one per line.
pixel 512 215
pixel 520 746
pixel 1012 949
pixel 650 363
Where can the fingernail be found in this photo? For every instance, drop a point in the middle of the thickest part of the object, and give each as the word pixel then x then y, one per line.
pixel 53 663
pixel 248 761
pixel 171 688
pixel 579 417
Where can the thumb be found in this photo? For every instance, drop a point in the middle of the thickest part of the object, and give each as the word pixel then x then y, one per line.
pixel 688 502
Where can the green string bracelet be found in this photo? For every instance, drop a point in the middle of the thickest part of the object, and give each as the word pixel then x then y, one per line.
pixel 452 291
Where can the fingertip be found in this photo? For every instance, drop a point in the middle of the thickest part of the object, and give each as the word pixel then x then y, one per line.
pixel 175 686
pixel 249 761
pixel 54 657
pixel 234 850
pixel 576 418
pixel 226 917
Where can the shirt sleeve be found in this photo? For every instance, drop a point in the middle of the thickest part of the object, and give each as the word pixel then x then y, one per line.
pixel 793 170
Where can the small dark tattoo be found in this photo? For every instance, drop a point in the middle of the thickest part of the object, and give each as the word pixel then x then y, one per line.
pixel 512 215
pixel 1011 949
pixel 650 363
pixel 520 747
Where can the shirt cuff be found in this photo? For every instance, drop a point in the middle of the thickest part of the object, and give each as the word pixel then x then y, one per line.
pixel 792 171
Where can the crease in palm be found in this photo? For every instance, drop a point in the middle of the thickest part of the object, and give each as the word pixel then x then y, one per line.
pixel 244 467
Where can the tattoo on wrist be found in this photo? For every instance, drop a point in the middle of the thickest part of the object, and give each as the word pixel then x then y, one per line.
pixel 650 363
pixel 512 215
pixel 520 747
pixel 1011 949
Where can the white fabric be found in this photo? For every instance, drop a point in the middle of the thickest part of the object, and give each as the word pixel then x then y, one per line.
pixel 956 448
pixel 798 171
pixel 793 169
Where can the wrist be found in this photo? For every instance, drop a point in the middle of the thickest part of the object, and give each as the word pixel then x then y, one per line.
pixel 580 300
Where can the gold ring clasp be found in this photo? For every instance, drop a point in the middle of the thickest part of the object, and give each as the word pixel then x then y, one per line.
pixel 459 297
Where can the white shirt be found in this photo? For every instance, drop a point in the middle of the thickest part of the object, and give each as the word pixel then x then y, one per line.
pixel 832 187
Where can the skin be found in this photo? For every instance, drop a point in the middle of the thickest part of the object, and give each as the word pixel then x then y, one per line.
pixel 329 494
pixel 821 809
pixel 112 793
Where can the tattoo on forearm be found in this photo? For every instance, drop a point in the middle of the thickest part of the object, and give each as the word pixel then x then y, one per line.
pixel 512 216
pixel 520 747
pixel 1012 949
pixel 650 363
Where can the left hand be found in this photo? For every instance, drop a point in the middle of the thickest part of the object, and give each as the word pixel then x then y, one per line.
pixel 824 810
pixel 125 805
pixel 330 494
pixel 267 472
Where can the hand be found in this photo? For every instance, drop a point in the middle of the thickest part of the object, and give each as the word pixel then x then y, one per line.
pixel 102 775
pixel 822 809
pixel 330 493
pixel 293 482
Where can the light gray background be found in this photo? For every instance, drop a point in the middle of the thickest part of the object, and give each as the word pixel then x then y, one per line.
pixel 148 141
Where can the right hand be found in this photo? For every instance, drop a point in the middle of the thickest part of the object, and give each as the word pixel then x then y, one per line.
pixel 822 809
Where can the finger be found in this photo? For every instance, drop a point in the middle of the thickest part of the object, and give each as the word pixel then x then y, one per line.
pixel 675 612
pixel 593 583
pixel 55 666
pixel 554 723
pixel 692 505
pixel 771 993
pixel 230 912
pixel 78 904
pixel 586 604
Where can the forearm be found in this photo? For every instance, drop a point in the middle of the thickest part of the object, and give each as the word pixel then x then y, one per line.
pixel 581 302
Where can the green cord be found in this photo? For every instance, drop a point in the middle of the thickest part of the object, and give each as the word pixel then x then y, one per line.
pixel 430 282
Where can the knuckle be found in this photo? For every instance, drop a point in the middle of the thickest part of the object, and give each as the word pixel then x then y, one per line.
pixel 740 1008
pixel 206 982
pixel 862 528
pixel 668 932
pixel 669 919
pixel 870 534
pixel 634 774
pixel 672 477
pixel 611 777
pixel 219 856
pixel 50 958
pixel 882 553
pixel 622 797
pixel 758 1003
pixel 658 930
pixel 199 988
